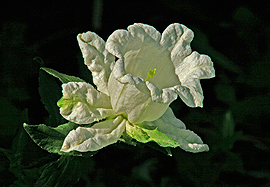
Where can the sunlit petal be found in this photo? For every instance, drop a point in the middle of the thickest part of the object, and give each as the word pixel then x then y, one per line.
pixel 93 138
pixel 82 103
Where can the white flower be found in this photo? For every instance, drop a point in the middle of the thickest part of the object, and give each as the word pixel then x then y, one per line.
pixel 138 73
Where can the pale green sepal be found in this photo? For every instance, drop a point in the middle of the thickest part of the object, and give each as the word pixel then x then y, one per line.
pixel 131 141
pixel 62 77
pixel 146 135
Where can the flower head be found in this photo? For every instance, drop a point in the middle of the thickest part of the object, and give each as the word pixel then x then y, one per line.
pixel 138 73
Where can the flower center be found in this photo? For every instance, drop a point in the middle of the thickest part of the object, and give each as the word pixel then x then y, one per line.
pixel 151 74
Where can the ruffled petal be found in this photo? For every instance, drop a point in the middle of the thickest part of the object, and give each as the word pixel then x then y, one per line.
pixel 82 103
pixel 189 66
pixel 175 129
pixel 177 38
pixel 138 49
pixel 178 69
pixel 97 59
pixel 122 41
pixel 165 96
pixel 191 93
pixel 93 138
pixel 195 66
pixel 192 69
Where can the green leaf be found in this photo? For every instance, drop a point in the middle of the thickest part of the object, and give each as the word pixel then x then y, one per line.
pixel 145 135
pixel 62 77
pixel 49 138
pixel 66 171
pixel 50 92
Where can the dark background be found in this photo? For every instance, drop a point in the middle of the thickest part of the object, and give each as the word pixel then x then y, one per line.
pixel 234 34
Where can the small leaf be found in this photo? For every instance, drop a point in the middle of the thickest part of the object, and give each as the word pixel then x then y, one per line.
pixel 62 77
pixel 228 125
